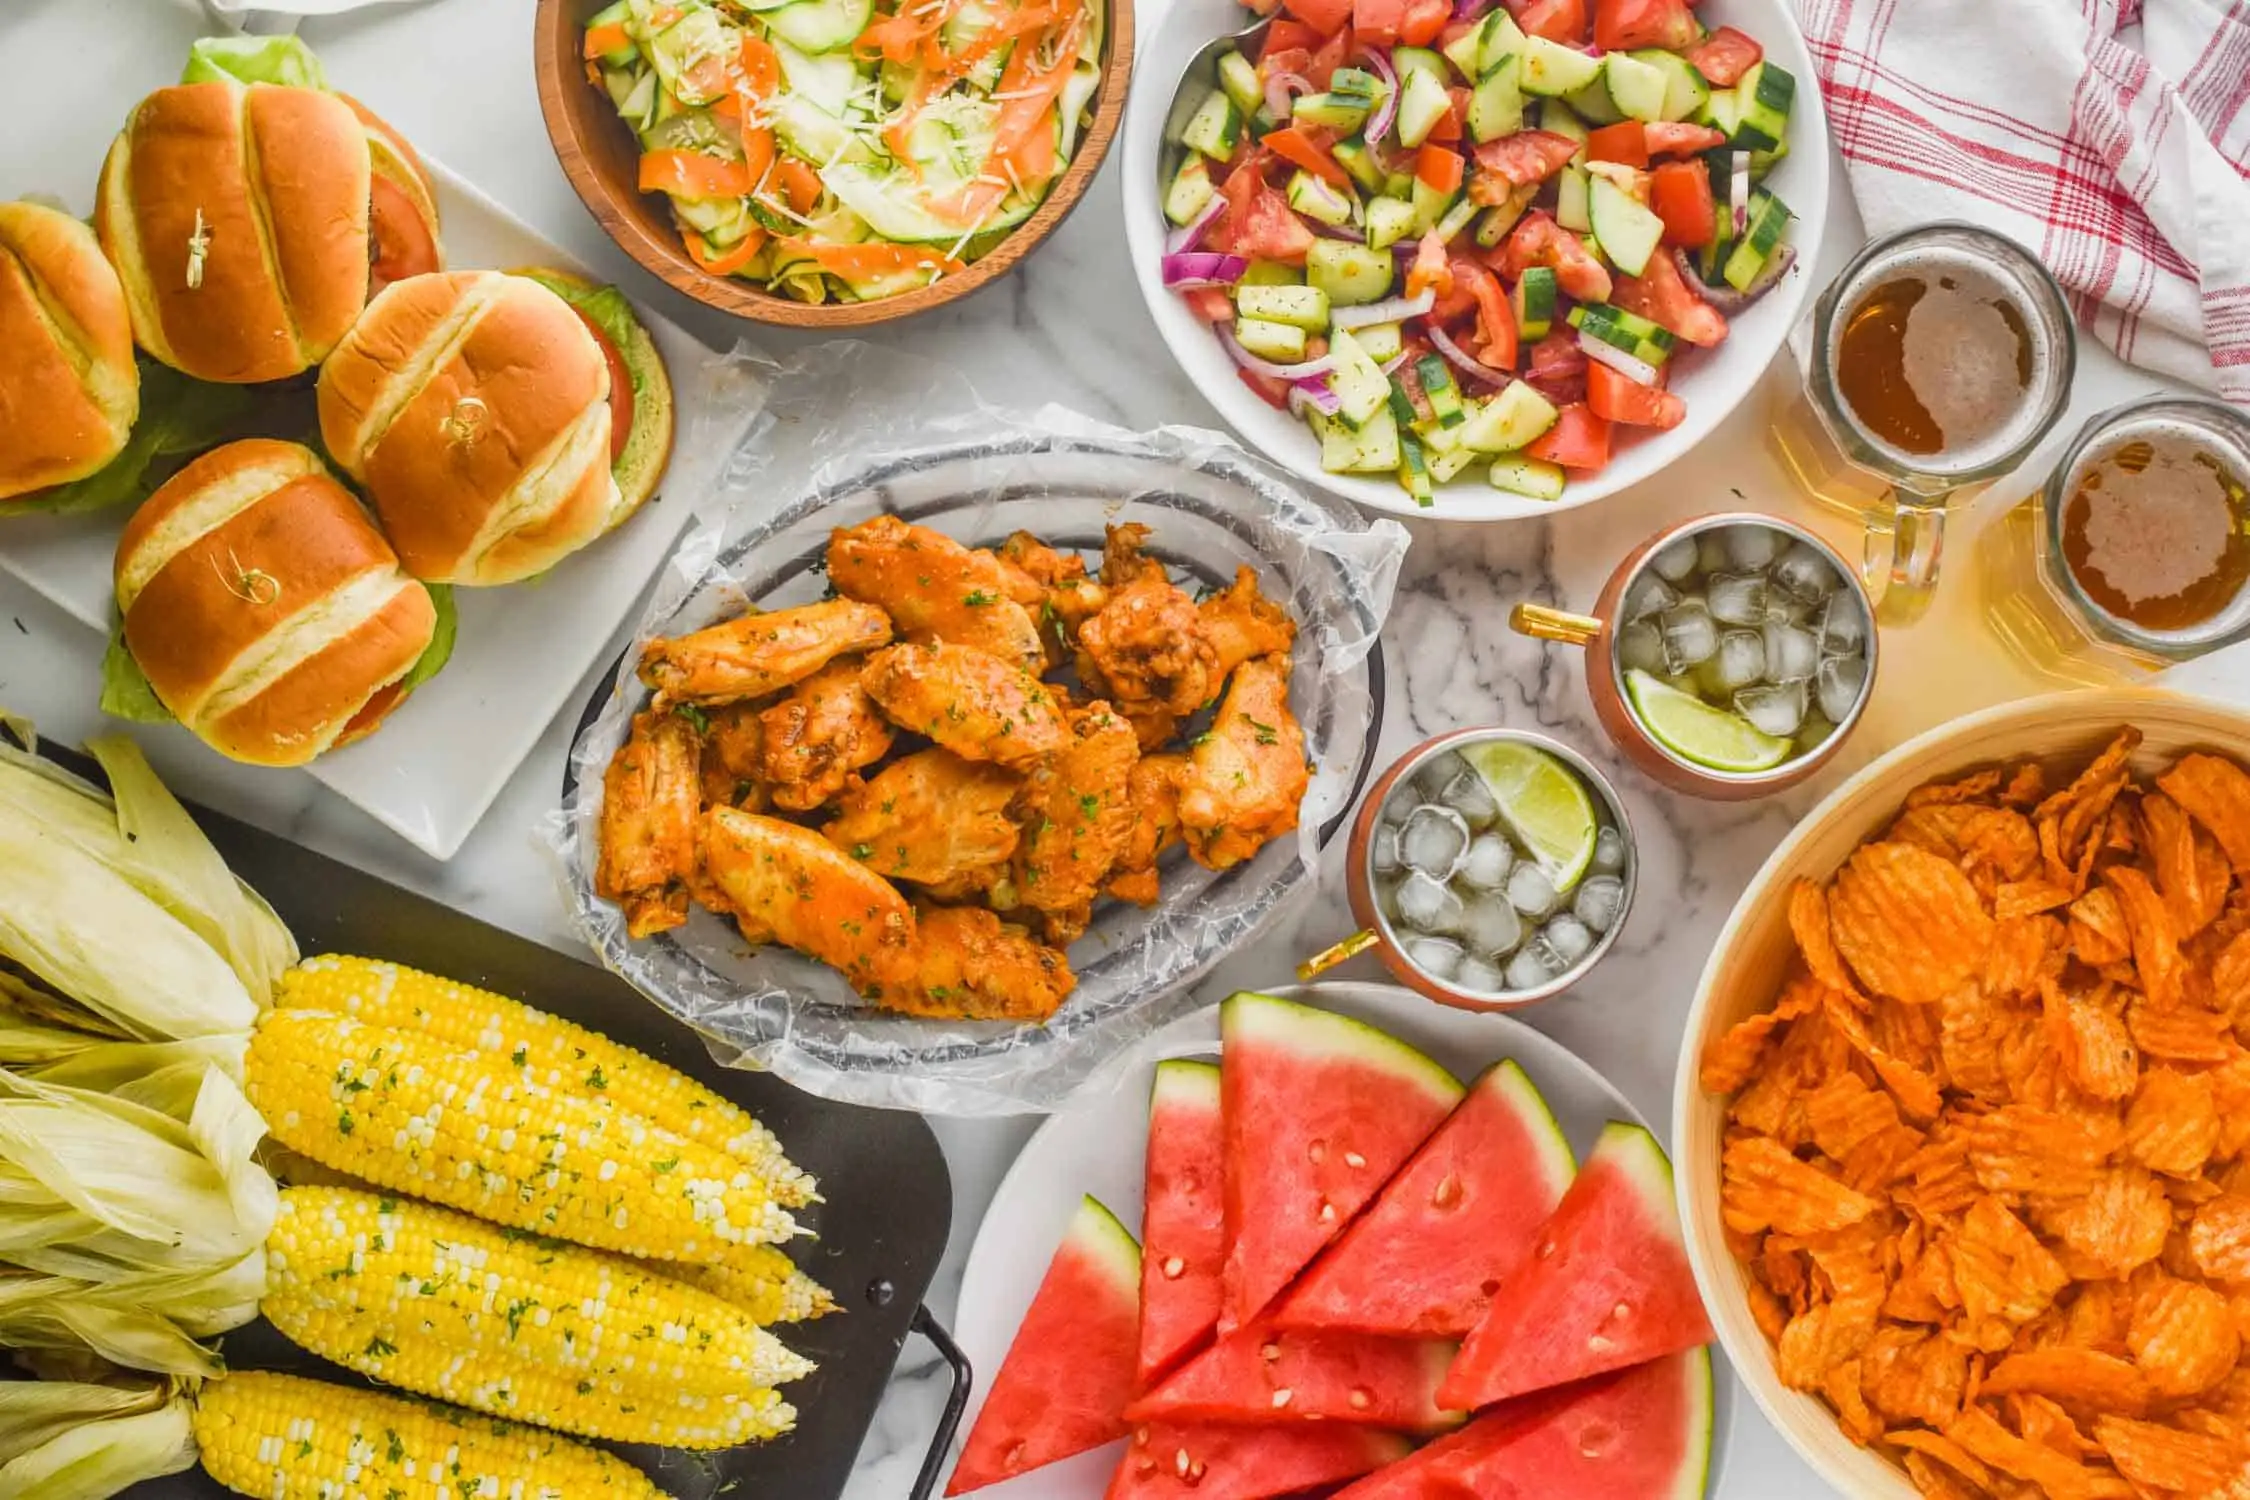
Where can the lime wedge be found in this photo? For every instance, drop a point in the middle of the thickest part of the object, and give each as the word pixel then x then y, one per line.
pixel 1692 728
pixel 1544 804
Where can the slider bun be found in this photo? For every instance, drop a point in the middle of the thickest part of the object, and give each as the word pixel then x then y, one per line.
pixel 400 184
pixel 69 389
pixel 272 184
pixel 266 611
pixel 473 406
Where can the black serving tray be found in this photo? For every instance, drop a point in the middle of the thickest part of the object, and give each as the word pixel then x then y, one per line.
pixel 881 1229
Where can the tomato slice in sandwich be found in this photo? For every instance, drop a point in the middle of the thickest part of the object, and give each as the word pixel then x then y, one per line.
pixel 620 389
pixel 403 245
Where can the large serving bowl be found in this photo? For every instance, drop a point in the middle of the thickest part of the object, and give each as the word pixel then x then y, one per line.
pixel 602 160
pixel 1755 948
pixel 1712 382
pixel 1211 509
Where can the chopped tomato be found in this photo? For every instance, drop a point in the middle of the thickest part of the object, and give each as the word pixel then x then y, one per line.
pixel 1458 300
pixel 1619 398
pixel 1496 320
pixel 1556 20
pixel 1539 241
pixel 1624 24
pixel 1261 224
pixel 1325 17
pixel 1307 148
pixel 402 244
pixel 1578 440
pixel 1625 143
pixel 1210 303
pixel 1681 196
pixel 1424 21
pixel 1432 268
pixel 1333 54
pixel 1375 23
pixel 1679 138
pixel 602 40
pixel 1275 393
pixel 1558 367
pixel 725 262
pixel 1661 295
pixel 1725 55
pixel 692 175
pixel 1285 35
pixel 1527 157
pixel 1438 169
pixel 1450 124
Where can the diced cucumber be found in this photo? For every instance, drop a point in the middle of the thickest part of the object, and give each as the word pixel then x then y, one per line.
pixel 1446 464
pixel 1412 60
pixel 1527 476
pixel 1402 409
pixel 1441 390
pixel 1358 381
pixel 1271 273
pixel 1518 415
pixel 1414 469
pixel 1349 274
pixel 1422 102
pixel 1635 335
pixel 1730 187
pixel 1551 69
pixel 1762 162
pixel 1356 83
pixel 1466 51
pixel 1593 103
pixel 1627 232
pixel 1571 210
pixel 1764 97
pixel 1556 116
pixel 1454 220
pixel 1631 181
pixel 1359 163
pixel 1496 104
pixel 1239 78
pixel 1499 36
pixel 1191 191
pixel 1316 199
pixel 1215 129
pixel 1429 206
pixel 1371 448
pixel 820 26
pixel 1304 307
pixel 1638 87
pixel 1535 302
pixel 1283 343
pixel 1722 111
pixel 1382 341
pixel 1769 221
pixel 1342 113
pixel 1684 88
pixel 808 131
pixel 1399 185
pixel 1503 216
pixel 1389 220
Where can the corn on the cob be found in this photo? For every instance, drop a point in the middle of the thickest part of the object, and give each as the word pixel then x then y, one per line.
pixel 764 1283
pixel 519 1326
pixel 283 1437
pixel 558 1053
pixel 402 1110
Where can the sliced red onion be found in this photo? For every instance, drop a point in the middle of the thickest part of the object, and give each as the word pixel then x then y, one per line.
pixel 1469 10
pixel 1266 367
pixel 1282 90
pixel 1724 297
pixel 1190 235
pixel 1315 393
pixel 1379 123
pixel 1739 193
pixel 1390 365
pixel 1639 371
pixel 1390 310
pixel 1465 362
pixel 1198 268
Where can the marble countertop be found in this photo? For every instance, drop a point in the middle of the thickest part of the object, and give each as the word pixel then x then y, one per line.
pixel 455 76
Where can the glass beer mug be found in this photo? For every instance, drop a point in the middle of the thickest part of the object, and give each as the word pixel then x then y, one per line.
pixel 1940 357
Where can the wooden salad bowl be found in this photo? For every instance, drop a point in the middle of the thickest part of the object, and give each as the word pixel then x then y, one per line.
pixel 602 160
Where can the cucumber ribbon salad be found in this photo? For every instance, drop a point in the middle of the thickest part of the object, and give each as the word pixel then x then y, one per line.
pixel 1448 238
pixel 848 148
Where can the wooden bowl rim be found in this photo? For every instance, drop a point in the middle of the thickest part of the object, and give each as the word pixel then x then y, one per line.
pixel 553 26
pixel 2043 727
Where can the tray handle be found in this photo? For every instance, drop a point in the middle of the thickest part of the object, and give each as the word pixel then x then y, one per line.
pixel 957 1400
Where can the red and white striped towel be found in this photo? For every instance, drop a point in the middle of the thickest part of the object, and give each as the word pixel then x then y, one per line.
pixel 2113 140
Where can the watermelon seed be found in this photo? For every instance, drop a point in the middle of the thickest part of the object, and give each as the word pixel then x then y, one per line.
pixel 1180 1462
pixel 1448 1191
pixel 1621 1312
pixel 1594 1441
pixel 1354 1160
pixel 1327 1212
pixel 1281 1397
pixel 1195 1472
pixel 1317 1152
pixel 1269 1352
pixel 1173 1267
pixel 1361 1398
pixel 1140 1436
pixel 1599 1342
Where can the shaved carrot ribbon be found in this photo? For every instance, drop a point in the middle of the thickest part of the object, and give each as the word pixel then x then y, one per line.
pixel 866 261
pixel 726 262
pixel 1023 149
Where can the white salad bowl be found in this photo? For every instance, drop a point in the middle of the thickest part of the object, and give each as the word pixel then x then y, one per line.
pixel 1712 382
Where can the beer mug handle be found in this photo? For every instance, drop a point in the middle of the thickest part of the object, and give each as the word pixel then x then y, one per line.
pixel 1905 542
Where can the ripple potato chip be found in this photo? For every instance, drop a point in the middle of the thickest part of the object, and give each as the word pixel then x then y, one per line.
pixel 1908 922
pixel 2165 1458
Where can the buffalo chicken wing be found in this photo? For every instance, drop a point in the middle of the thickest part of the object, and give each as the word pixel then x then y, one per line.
pixel 1246 778
pixel 1078 817
pixel 964 962
pixel 977 706
pixel 760 653
pixel 935 589
pixel 818 738
pixel 650 799
pixel 934 819
pixel 785 883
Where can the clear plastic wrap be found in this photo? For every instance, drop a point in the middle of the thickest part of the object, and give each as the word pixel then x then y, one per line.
pixel 852 431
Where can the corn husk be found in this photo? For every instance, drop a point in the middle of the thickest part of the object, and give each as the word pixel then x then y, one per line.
pixel 86 1442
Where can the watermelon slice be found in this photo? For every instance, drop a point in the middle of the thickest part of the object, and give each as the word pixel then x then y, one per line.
pixel 1263 1374
pixel 1183 1226
pixel 1423 1261
pixel 1320 1110
pixel 1607 1284
pixel 1063 1387
pixel 1642 1434
pixel 1169 1462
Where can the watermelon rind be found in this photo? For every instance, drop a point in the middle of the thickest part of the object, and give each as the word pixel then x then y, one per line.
pixel 1097 1233
pixel 1634 1152
pixel 1557 1162
pixel 1695 1474
pixel 1183 1080
pixel 1269 1020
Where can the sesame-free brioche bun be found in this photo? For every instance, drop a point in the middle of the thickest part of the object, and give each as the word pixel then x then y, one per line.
pixel 69 389
pixel 237 218
pixel 473 407
pixel 264 608
pixel 402 204
pixel 640 388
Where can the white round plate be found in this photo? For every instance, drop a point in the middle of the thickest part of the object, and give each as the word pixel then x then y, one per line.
pixel 1712 382
pixel 1097 1142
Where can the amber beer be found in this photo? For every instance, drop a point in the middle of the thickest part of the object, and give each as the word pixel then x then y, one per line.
pixel 1940 357
pixel 2136 554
